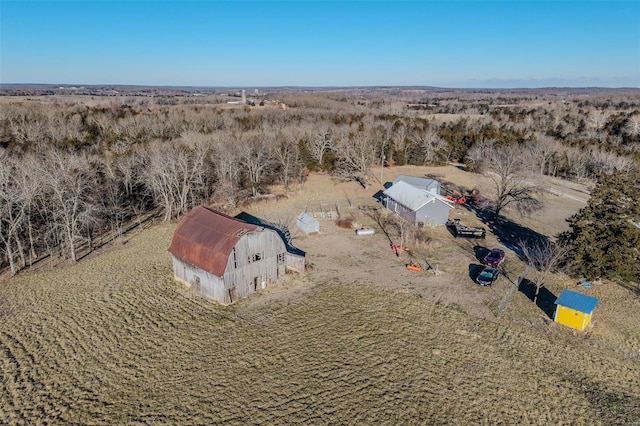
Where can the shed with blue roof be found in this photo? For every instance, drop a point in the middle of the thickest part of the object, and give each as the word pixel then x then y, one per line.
pixel 574 309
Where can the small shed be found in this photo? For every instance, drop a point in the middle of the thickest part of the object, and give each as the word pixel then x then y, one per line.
pixel 574 309
pixel 307 223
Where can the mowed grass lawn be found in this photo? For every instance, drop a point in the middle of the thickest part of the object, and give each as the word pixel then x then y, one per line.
pixel 114 340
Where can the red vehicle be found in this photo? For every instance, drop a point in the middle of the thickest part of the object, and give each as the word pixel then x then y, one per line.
pixel 494 258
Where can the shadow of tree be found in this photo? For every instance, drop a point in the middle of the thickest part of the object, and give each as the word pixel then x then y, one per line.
pixel 632 287
pixel 379 196
pixel 480 252
pixel 546 299
pixel 508 232
pixel 378 218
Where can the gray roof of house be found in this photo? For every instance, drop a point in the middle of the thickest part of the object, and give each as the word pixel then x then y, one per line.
pixel 419 182
pixel 412 197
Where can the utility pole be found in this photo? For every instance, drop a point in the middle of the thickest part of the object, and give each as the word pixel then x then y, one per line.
pixel 382 158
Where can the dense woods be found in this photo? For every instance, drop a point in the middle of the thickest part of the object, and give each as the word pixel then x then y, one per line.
pixel 73 168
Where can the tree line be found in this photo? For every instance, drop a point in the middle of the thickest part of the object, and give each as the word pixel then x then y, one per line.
pixel 70 172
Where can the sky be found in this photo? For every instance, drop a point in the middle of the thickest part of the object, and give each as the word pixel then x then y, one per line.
pixel 466 44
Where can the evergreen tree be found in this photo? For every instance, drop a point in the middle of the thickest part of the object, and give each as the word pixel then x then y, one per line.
pixel 604 240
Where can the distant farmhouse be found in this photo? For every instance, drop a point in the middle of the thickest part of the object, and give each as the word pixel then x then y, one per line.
pixel 417 200
pixel 227 258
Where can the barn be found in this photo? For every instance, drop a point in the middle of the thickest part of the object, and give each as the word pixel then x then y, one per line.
pixel 226 258
pixel 416 205
pixel 574 309
pixel 307 223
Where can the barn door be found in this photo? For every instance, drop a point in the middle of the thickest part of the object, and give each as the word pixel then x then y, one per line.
pixel 232 295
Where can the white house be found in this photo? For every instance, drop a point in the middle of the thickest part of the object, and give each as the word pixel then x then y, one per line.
pixel 417 206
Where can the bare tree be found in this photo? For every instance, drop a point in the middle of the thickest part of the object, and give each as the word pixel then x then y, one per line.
pixel 176 174
pixel 356 155
pixel 319 144
pixel 507 168
pixel 608 162
pixel 227 168
pixel 542 151
pixel 255 159
pixel 633 125
pixel 545 258
pixel 428 144
pixel 286 153
pixel 69 182
pixel 11 212
pixel 28 179
pixel 577 161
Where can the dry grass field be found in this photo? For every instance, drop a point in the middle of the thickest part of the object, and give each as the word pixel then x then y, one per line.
pixel 358 339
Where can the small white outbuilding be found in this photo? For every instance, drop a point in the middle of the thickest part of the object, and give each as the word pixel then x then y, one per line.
pixel 307 223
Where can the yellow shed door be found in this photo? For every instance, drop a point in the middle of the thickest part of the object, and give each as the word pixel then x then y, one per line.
pixel 571 317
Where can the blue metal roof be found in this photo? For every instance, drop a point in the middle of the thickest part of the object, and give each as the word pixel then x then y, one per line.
pixel 577 301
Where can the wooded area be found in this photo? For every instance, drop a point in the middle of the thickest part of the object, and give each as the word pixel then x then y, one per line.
pixel 76 167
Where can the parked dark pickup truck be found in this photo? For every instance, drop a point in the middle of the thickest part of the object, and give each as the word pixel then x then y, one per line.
pixel 460 230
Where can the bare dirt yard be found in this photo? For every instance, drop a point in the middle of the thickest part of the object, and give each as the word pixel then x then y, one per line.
pixel 357 339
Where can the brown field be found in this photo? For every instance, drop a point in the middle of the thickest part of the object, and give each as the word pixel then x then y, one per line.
pixel 358 339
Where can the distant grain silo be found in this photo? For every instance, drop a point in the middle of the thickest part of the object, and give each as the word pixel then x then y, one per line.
pixel 244 96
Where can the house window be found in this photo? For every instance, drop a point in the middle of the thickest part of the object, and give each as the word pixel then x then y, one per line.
pixel 281 258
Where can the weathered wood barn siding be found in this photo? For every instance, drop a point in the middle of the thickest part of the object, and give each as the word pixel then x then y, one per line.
pixel 200 280
pixel 295 262
pixel 254 261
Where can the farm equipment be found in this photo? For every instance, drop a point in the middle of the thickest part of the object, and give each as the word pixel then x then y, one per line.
pixel 398 249
pixel 414 266
pixel 457 198
pixel 475 198
pixel 460 230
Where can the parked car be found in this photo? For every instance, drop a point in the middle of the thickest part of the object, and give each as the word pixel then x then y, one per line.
pixel 494 258
pixel 487 276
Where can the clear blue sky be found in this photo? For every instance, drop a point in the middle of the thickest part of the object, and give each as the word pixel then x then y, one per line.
pixel 327 43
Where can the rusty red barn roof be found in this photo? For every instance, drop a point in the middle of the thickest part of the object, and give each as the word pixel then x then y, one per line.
pixel 205 238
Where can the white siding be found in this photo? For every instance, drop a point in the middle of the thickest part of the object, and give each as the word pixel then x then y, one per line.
pixel 199 280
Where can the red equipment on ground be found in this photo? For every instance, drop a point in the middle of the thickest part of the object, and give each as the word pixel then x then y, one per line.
pixel 457 198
